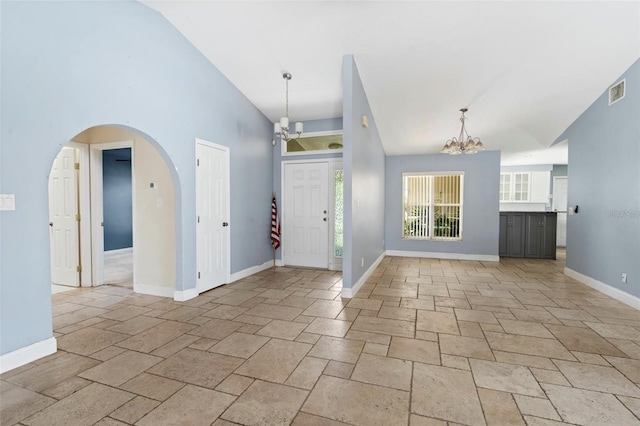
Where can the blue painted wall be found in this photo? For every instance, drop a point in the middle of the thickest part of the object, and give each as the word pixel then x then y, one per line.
pixel 117 199
pixel 68 66
pixel 603 239
pixel 310 126
pixel 364 180
pixel 481 215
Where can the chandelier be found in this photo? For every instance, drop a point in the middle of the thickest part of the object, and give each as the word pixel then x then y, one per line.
pixel 281 129
pixel 465 143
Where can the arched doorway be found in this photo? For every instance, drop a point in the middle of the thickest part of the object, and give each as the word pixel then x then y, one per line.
pixel 151 251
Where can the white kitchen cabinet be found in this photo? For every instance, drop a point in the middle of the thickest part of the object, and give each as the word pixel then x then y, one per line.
pixel 540 184
pixel 525 187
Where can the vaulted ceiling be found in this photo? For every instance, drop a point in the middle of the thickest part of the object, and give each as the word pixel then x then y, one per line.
pixel 525 70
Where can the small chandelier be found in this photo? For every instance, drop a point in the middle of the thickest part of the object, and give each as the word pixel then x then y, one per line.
pixel 281 129
pixel 465 143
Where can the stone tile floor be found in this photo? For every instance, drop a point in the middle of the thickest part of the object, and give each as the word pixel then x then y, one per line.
pixel 425 342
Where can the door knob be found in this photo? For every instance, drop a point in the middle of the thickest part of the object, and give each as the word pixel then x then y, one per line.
pixel 325 219
pixel 225 224
pixel 325 212
pixel 51 224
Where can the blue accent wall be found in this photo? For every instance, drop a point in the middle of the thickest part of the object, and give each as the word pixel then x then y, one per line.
pixel 603 238
pixel 117 199
pixel 69 66
pixel 481 216
pixel 364 180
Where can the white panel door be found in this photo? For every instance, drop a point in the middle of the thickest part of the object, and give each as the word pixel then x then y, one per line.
pixel 306 220
pixel 212 210
pixel 560 184
pixel 63 223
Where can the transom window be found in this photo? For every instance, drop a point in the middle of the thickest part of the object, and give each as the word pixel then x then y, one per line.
pixel 432 204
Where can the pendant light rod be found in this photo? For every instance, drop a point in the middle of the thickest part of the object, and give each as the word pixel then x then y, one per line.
pixel 281 129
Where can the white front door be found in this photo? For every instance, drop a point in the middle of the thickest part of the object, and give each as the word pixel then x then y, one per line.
pixel 63 219
pixel 212 210
pixel 559 204
pixel 305 215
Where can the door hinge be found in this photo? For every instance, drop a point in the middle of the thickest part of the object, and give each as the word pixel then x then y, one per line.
pixel 76 166
pixel 79 268
pixel 198 275
pixel 78 218
pixel 197 162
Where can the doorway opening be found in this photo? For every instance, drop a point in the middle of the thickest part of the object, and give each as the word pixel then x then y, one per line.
pixel 117 202
pixel 312 213
pixel 125 227
pixel 560 205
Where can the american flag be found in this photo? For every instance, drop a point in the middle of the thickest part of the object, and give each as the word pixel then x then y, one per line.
pixel 275 225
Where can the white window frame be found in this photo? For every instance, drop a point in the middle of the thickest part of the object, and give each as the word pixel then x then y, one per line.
pixel 283 145
pixel 430 233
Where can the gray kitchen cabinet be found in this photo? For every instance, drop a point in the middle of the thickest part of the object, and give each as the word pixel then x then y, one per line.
pixel 540 235
pixel 512 234
pixel 528 234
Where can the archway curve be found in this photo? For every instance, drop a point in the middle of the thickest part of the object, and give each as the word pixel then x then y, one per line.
pixel 172 172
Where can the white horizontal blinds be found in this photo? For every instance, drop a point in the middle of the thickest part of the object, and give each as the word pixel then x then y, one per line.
pixel 432 206
pixel 416 201
pixel 505 186
pixel 447 206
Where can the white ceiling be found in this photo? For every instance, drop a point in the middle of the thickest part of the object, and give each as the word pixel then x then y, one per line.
pixel 525 70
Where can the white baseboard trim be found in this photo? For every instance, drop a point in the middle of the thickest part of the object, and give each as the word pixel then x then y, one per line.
pixel 449 256
pixel 152 290
pixel 250 271
pixel 27 354
pixel 184 295
pixel 279 262
pixel 348 293
pixel 616 293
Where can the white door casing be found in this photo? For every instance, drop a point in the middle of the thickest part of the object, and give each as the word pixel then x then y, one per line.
pixel 64 219
pixel 560 186
pixel 212 210
pixel 305 217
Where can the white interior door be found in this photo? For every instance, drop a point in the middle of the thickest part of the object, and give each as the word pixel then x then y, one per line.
pixel 560 184
pixel 212 210
pixel 305 215
pixel 63 219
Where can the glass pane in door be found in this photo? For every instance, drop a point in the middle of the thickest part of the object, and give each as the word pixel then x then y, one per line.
pixel 338 244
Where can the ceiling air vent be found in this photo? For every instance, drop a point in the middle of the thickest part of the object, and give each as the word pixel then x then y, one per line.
pixel 616 92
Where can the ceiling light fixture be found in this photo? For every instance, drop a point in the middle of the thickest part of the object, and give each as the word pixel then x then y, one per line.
pixel 281 129
pixel 465 143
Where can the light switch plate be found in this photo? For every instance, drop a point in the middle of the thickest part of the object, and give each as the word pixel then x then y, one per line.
pixel 7 202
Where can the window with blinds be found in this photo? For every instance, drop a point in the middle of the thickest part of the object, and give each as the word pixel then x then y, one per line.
pixel 432 205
